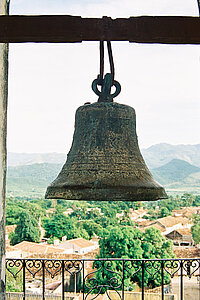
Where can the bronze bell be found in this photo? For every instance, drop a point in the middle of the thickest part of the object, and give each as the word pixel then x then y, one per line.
pixel 104 162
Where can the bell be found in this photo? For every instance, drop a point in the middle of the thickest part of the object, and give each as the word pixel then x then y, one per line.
pixel 104 162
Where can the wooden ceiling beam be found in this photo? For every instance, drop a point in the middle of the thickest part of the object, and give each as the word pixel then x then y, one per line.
pixel 69 29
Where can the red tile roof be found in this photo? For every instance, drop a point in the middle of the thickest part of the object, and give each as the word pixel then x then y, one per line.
pixel 79 242
pixel 30 247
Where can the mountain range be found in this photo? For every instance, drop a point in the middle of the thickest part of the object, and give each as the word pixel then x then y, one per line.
pixel 177 168
pixel 21 159
pixel 31 180
pixel 178 176
pixel 155 156
pixel 160 154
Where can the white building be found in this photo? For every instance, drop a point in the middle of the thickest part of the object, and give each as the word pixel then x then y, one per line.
pixel 78 246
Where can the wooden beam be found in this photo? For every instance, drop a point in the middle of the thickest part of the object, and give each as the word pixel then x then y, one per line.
pixel 67 29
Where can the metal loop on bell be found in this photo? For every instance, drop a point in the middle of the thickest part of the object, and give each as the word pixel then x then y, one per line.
pixel 108 81
pixel 106 85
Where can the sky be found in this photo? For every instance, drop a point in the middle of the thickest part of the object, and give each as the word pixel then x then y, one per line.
pixel 48 82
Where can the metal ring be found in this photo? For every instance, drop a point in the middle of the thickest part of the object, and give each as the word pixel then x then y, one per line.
pixel 94 87
pixel 118 89
pixel 117 85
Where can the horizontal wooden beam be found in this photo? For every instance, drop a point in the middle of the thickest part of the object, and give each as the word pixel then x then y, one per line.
pixel 68 29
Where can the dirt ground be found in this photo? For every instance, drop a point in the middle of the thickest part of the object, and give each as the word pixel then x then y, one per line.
pixel 191 288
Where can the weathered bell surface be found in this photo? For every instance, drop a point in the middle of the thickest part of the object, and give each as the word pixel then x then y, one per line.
pixel 104 162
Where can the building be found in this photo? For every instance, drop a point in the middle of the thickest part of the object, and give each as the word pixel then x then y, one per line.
pixel 181 237
pixel 26 249
pixel 12 252
pixel 169 224
pixel 78 246
pixel 134 215
pixel 156 226
pixel 137 213
pixel 186 212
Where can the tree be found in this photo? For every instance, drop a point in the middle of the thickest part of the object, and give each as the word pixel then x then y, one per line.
pixel 80 210
pixel 164 212
pixel 12 214
pixel 105 221
pixel 125 219
pixel 27 229
pixel 15 207
pixel 187 199
pixel 45 204
pixel 60 225
pixel 128 242
pixel 196 232
pixel 91 227
pixel 120 242
pixel 160 246
pixel 35 210
pixel 197 201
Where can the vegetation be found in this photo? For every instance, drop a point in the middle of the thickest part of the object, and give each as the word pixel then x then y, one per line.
pixel 196 233
pixel 27 229
pixel 14 283
pixel 88 218
pixel 15 206
pixel 174 171
pixel 196 229
pixel 163 208
pixel 129 242
pixel 59 225
pixel 119 237
pixel 31 180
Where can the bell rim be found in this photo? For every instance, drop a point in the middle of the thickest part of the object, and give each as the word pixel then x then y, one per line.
pixel 107 194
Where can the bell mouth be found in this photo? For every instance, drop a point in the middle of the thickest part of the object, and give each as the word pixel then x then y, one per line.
pixel 107 194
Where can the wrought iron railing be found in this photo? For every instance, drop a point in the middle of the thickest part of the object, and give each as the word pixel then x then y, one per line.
pixel 92 277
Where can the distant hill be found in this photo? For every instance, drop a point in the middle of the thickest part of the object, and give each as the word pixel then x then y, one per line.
pixel 19 159
pixel 31 180
pixel 160 154
pixel 178 176
pixel 174 171
pixel 175 167
pixel 155 156
pixel 190 184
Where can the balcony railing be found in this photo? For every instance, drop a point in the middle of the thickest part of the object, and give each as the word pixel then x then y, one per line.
pixel 92 277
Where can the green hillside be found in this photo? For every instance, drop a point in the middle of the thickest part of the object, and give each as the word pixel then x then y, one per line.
pixel 190 184
pixel 174 171
pixel 177 176
pixel 160 154
pixel 31 180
